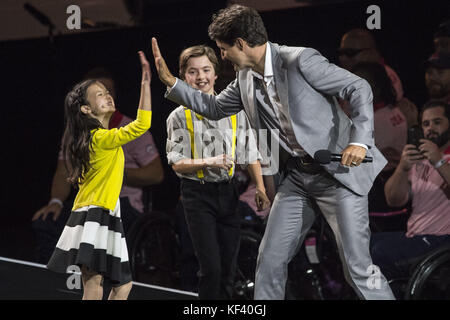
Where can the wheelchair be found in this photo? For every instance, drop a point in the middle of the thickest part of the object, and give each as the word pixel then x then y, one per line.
pixel 154 250
pixel 309 278
pixel 251 236
pixel 154 247
pixel 429 277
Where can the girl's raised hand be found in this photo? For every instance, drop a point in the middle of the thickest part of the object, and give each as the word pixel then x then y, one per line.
pixel 146 73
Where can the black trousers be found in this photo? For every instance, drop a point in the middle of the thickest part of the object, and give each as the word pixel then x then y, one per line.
pixel 214 226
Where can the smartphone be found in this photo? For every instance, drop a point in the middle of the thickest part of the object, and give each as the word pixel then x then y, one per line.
pixel 415 133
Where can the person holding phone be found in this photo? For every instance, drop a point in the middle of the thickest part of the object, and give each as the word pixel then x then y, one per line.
pixel 423 177
pixel 415 134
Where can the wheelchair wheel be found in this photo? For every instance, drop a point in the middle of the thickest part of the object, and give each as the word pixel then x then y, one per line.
pixel 246 265
pixel 431 278
pixel 154 249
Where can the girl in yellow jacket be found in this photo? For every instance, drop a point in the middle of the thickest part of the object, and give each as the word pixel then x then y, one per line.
pixel 93 237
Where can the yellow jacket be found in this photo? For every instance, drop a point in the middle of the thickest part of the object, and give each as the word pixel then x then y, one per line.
pixel 103 182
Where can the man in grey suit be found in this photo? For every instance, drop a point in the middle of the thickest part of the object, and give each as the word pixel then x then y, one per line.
pixel 292 92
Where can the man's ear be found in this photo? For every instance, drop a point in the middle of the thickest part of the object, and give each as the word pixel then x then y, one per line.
pixel 85 109
pixel 240 43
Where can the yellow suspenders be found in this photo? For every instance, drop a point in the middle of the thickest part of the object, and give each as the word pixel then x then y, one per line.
pixel 195 155
pixel 233 143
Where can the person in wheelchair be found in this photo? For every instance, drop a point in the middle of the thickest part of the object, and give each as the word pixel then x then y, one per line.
pixel 423 177
pixel 143 168
pixel 204 154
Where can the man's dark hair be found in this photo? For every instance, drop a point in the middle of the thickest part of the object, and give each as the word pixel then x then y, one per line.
pixel 235 22
pixel 435 104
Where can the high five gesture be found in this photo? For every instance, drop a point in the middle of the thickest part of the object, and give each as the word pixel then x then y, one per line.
pixel 145 100
pixel 164 74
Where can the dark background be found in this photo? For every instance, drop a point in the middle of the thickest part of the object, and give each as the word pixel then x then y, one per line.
pixel 37 74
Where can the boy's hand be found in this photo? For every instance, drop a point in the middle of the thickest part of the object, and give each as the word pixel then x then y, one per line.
pixel 261 200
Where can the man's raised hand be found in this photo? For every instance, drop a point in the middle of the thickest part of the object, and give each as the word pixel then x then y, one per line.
pixel 164 74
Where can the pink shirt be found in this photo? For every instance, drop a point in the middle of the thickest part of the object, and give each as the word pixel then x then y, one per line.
pixel 430 200
pixel 390 134
pixel 138 153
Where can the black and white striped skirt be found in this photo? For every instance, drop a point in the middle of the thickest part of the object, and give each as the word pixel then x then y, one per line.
pixel 93 237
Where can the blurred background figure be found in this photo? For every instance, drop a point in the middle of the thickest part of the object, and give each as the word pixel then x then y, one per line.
pixel 358 45
pixel 441 38
pixel 390 127
pixel 423 177
pixel 437 76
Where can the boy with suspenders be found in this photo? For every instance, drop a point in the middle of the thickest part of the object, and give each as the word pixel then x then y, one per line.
pixel 204 153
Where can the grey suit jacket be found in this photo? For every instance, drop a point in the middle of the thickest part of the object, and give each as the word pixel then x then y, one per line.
pixel 308 84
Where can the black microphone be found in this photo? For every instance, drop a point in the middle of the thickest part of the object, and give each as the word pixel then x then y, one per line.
pixel 325 157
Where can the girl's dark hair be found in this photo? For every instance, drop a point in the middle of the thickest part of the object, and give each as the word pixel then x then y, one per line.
pixel 77 134
pixel 381 84
pixel 235 22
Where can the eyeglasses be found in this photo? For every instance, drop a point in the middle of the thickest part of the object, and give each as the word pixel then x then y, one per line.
pixel 350 52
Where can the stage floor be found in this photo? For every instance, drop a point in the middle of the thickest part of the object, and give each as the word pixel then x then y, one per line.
pixel 21 280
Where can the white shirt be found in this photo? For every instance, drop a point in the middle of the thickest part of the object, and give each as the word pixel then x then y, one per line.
pixel 280 110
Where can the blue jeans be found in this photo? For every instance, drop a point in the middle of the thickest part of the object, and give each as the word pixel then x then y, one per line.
pixel 391 251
